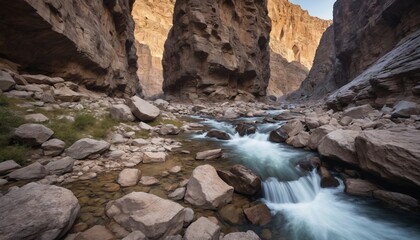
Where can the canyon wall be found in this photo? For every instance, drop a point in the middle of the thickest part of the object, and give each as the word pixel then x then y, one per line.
pixel 88 42
pixel 217 49
pixel 375 46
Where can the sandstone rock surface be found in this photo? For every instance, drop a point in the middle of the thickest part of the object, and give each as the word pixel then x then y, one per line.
pixel 339 144
pixel 202 229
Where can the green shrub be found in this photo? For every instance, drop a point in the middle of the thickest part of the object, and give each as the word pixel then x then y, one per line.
pixel 83 121
pixel 160 120
pixel 14 152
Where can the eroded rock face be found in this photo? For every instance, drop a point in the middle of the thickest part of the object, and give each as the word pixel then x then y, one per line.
pixel 88 42
pixel 211 49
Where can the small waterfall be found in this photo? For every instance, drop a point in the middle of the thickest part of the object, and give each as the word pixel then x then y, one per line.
pixel 304 189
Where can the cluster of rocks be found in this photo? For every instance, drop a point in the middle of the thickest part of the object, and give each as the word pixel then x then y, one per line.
pixel 383 143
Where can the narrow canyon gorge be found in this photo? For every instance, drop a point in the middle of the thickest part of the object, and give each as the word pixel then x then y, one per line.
pixel 209 119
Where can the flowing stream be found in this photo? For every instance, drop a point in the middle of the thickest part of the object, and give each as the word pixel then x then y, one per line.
pixel 301 208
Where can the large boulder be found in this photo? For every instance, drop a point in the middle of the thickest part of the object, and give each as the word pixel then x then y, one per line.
pixel 121 112
pixel 242 179
pixel 142 109
pixel 154 216
pixel 33 134
pixel 278 136
pixel 358 112
pixel 218 134
pixel 206 189
pixel 360 187
pixel 395 199
pixel 129 177
pixel 53 147
pixel 85 147
pixel 6 81
pixel 339 144
pixel 33 171
pixel 327 180
pixel 405 109
pixel 202 229
pixel 317 135
pixel 37 211
pixel 299 141
pixel 245 129
pixel 60 166
pixel 293 127
pixel 393 155
pixel 258 214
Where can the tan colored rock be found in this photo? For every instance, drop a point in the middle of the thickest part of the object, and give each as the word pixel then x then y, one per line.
pixel 142 109
pixel 258 214
pixel 154 157
pixel 317 135
pixel 202 229
pixel 97 232
pixel 300 140
pixel 242 179
pixel 339 144
pixel 129 177
pixel 209 154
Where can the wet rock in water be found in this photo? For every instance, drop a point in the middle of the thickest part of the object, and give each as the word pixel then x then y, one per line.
pixel 358 112
pixel 218 134
pixel 318 134
pixel 278 136
pixel 405 109
pixel 149 181
pixel 53 147
pixel 169 129
pixel 209 154
pixel 7 166
pixel 6 81
pixel 85 147
pixel 142 109
pixel 121 112
pixel 202 229
pixel 154 216
pixel 36 118
pixel 245 129
pixel 60 166
pixel 396 200
pixel 339 144
pixel 391 154
pixel 242 179
pixel 327 180
pixel 154 157
pixel 175 169
pixel 206 189
pixel 33 171
pixel 258 214
pixel 178 194
pixel 95 233
pixel 248 235
pixel 232 214
pixel 129 177
pixel 33 134
pixel 309 164
pixel 37 211
pixel 360 187
pixel 299 141
pixel 111 187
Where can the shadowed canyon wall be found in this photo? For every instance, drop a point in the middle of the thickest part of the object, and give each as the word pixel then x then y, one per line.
pixel 375 45
pixel 88 42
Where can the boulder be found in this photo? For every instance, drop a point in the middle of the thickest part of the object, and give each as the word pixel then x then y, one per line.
pixel 154 216
pixel 97 232
pixel 142 109
pixel 345 121
pixel 154 157
pixel 7 166
pixel 360 187
pixel 149 180
pixel 258 215
pixel 162 104
pixel 310 163
pixel 202 229
pixel 230 113
pixel 405 109
pixel 245 129
pixel 65 94
pixel 300 140
pixel 358 112
pixel 248 235
pixel 218 134
pixel 6 81
pixel 339 144
pixel 293 127
pixel 19 94
pixel 177 194
pixel 128 177
pixel 36 118
pixel 33 171
pixel 60 166
pixel 85 147
pixel 242 179
pixel 278 136
pixel 327 180
pixel 312 122
pixel 33 134
pixel 37 211
pixel 391 154
pixel 169 129
pixel 206 189
pixel 121 112
pixel 209 154
pixel 232 214
pixel 396 200
pixel 53 147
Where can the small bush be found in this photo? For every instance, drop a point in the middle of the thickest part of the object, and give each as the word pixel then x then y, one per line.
pixel 14 152
pixel 103 127
pixel 83 121
pixel 65 130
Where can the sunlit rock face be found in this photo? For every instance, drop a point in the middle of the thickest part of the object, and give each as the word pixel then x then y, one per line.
pixel 153 20
pixel 217 49
pixel 372 55
pixel 88 42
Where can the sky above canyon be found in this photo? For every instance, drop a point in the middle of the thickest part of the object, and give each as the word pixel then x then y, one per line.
pixel 318 8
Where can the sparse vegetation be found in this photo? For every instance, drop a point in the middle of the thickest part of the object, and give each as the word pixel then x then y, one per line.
pixel 160 120
pixel 142 134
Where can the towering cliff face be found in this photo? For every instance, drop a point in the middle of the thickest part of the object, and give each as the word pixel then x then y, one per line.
pixel 295 34
pixel 88 42
pixel 153 20
pixel 374 45
pixel 217 49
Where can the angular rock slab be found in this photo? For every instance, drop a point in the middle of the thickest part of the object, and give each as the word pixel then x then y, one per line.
pixel 206 189
pixel 85 147
pixel 60 166
pixel 393 155
pixel 242 179
pixel 53 147
pixel 6 81
pixel 33 134
pixel 33 171
pixel 121 112
pixel 142 109
pixel 37 211
pixel 8 166
pixel 202 229
pixel 154 216
pixel 209 154
pixel 339 144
